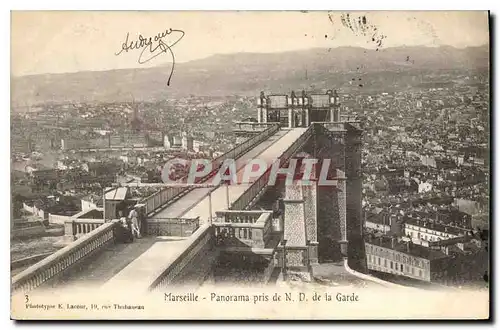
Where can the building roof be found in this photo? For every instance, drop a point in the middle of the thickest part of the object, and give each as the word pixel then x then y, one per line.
pixel 423 223
pixel 117 194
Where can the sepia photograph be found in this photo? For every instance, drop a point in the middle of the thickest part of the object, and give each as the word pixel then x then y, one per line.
pixel 263 165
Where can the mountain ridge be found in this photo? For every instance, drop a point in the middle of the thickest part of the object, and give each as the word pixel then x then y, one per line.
pixel 245 73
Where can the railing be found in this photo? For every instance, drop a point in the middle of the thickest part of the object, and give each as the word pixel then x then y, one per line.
pixel 164 196
pixel 238 150
pixel 182 227
pixel 246 199
pixel 84 226
pixel 199 243
pixel 63 259
pixel 252 127
pixel 299 143
pixel 252 234
pixel 161 197
pixel 237 216
pixel 77 227
pixel 234 234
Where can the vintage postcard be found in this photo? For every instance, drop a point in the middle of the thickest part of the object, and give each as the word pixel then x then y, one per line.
pixel 314 165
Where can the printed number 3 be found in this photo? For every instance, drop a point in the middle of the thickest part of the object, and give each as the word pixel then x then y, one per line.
pixel 27 298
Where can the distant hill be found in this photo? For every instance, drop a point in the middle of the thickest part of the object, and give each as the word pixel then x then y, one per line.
pixel 245 73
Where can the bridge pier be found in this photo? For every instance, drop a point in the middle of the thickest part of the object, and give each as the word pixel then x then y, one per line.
pixel 300 230
pixel 313 252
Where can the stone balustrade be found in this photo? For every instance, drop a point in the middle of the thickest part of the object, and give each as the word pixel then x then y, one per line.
pixel 84 226
pixel 57 263
pixel 238 216
pixel 252 234
pixel 77 227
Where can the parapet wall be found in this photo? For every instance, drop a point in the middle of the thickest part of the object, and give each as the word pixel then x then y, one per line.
pixel 192 265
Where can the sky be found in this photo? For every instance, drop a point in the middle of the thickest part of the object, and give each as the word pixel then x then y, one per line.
pixel 71 41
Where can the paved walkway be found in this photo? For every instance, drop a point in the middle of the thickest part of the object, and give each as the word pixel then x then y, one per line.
pixel 194 197
pixel 146 267
pixel 219 199
pixel 107 263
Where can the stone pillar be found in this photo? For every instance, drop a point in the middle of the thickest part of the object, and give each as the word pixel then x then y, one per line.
pixel 259 114
pixel 296 251
pixel 313 252
pixel 290 118
pixel 336 114
pixel 258 238
pixel 307 117
pixel 69 234
pixel 264 115
pixel 344 245
pixel 68 228
pixel 310 212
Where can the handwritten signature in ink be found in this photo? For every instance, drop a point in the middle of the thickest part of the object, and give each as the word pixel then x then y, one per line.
pixel 154 46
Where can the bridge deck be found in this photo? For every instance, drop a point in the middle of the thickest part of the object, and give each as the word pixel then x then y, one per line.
pixel 191 199
pixel 149 262
pixel 235 191
pixel 147 266
pixel 107 263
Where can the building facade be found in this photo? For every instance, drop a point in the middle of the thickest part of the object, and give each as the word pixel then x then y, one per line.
pixel 422 231
pixel 388 255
